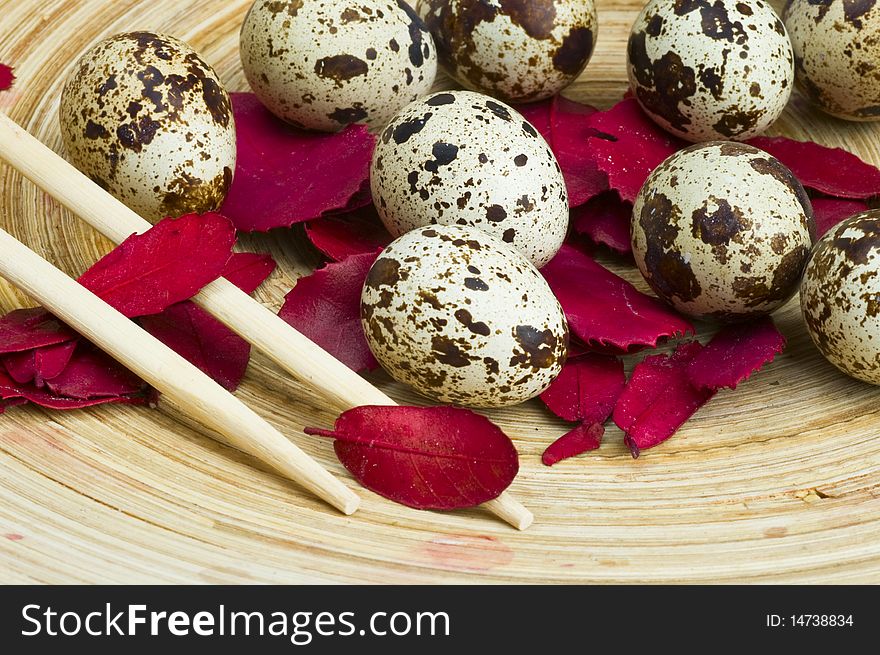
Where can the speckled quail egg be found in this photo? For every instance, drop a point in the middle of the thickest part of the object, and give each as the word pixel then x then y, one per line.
pixel 711 69
pixel 148 120
pixel 460 157
pixel 722 230
pixel 323 64
pixel 463 317
pixel 837 55
pixel 840 296
pixel 517 50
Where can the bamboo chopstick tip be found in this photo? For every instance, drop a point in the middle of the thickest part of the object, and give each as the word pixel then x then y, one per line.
pixel 525 520
pixel 349 504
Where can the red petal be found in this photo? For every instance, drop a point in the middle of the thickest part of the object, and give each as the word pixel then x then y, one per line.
pixel 26 329
pixel 605 220
pixel 604 310
pixel 167 264
pixel 7 77
pixel 15 394
pixel 425 457
pixel 284 175
pixel 343 235
pixel 829 170
pixel 828 212
pixel 586 389
pixel 91 373
pixel 583 438
pixel 566 126
pixel 658 398
pixel 631 146
pixel 325 307
pixel 734 353
pixel 248 270
pixel 40 364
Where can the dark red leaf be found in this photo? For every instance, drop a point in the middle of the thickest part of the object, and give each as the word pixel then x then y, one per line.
pixel 659 398
pixel 343 235
pixel 583 438
pixel 734 353
pixel 630 146
pixel 204 341
pixel 26 329
pixel 167 264
pixel 284 175
pixel 828 212
pixel 566 126
pixel 605 220
pixel 606 311
pixel 425 457
pixel 39 364
pixel 90 373
pixel 326 307
pixel 12 394
pixel 200 338
pixel 7 77
pixel 830 170
pixel 586 389
pixel 248 270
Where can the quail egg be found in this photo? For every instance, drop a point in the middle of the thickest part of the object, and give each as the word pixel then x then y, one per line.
pixel 837 55
pixel 322 64
pixel 463 317
pixel 722 230
pixel 517 50
pixel 840 296
pixel 459 157
pixel 148 120
pixel 711 69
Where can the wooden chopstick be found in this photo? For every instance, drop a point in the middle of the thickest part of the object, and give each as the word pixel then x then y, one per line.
pixel 293 352
pixel 184 384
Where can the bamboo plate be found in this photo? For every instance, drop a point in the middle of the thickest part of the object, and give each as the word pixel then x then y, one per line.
pixel 777 481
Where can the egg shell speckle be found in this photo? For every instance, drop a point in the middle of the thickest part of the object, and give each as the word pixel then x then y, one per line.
pixel 322 65
pixel 837 55
pixel 517 50
pixel 722 230
pixel 463 318
pixel 840 296
pixel 145 118
pixel 459 157
pixel 711 69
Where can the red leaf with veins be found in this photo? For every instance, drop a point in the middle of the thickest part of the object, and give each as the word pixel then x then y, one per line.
pixel 425 457
pixel 167 264
pixel 39 364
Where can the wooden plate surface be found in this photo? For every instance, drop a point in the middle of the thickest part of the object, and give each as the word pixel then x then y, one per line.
pixel 777 481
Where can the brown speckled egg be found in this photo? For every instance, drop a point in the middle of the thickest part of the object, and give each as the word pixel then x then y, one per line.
pixel 517 50
pixel 840 296
pixel 722 230
pixel 148 120
pixel 837 55
pixel 322 64
pixel 459 157
pixel 711 69
pixel 463 318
